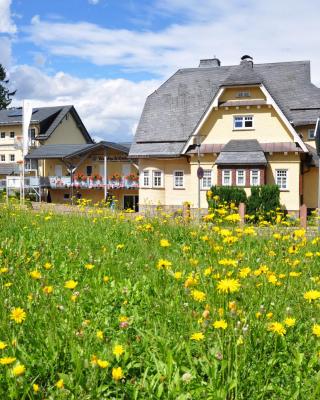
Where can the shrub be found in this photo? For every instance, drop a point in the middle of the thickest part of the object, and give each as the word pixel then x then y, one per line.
pixel 264 201
pixel 227 194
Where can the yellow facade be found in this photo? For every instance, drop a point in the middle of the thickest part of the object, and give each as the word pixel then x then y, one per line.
pixel 67 132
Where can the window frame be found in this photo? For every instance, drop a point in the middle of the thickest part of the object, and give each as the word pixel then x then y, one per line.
pixel 145 171
pixel 12 135
pixel 313 136
pixel 2 158
pixel 12 157
pixel 259 177
pixel 286 178
pixel 157 171
pixel 243 127
pixel 207 187
pixel 223 177
pixel 175 186
pixel 2 135
pixel 244 177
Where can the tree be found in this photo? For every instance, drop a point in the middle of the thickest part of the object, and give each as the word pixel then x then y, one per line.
pixel 5 94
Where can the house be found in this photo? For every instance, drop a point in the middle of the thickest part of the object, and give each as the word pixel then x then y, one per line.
pixel 244 125
pixel 49 125
pixel 95 172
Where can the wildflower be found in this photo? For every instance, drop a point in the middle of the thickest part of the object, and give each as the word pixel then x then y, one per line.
pixel 186 377
pixel 220 324
pixel 120 246
pixel 191 281
pixel 312 295
pixel 165 243
pixel 316 330
pixel 99 335
pixel 7 360
pixel 117 373
pixel 197 336
pixel 18 370
pixel 244 272
pixel 106 279
pixel 277 327
pixel 89 266
pixel 36 388
pixel 60 384
pixel 198 295
pixel 102 363
pixel 163 264
pixel 289 322
pixel 4 270
pixel 118 350
pixel 208 271
pixel 269 315
pixel 228 285
pixel 47 266
pixel 3 345
pixel 18 315
pixel 71 284
pixel 47 289
pixel 177 275
pixel 35 274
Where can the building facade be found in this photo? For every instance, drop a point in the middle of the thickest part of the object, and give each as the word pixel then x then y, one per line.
pixel 245 125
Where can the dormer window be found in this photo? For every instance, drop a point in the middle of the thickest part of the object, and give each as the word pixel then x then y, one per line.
pixel 243 122
pixel 311 134
pixel 243 94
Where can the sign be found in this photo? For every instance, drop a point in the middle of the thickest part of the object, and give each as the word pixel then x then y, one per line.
pixel 200 172
pixel 317 136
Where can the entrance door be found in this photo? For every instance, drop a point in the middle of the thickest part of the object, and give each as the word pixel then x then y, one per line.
pixel 58 170
pixel 131 201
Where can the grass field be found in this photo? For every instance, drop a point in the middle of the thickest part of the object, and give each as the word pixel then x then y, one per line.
pixel 106 307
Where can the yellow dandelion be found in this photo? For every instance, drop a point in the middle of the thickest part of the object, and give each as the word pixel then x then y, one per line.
pixel 3 345
pixel 120 246
pixel 316 330
pixel 164 264
pixel 100 335
pixel 197 336
pixel 18 315
pixel 118 350
pixel 277 327
pixel 165 243
pixel 312 295
pixel 47 266
pixel 35 275
pixel 89 266
pixel 198 295
pixel 60 384
pixel 18 370
pixel 289 322
pixel 71 284
pixel 106 279
pixel 220 324
pixel 47 289
pixel 7 360
pixel 228 285
pixel 117 373
pixel 102 363
pixel 36 388
pixel 177 275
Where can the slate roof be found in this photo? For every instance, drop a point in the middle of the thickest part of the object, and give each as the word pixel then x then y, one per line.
pixel 9 169
pixel 47 117
pixel 314 159
pixel 242 152
pixel 172 113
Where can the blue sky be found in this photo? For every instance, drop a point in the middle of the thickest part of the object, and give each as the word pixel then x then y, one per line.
pixel 106 56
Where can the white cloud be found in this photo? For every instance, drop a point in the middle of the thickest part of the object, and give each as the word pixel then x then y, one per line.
pixel 109 108
pixel 227 29
pixel 6 23
pixel 5 51
pixel 94 2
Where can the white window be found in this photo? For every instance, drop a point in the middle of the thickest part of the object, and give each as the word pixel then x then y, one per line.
pixel 12 157
pixel 146 178
pixel 241 177
pixel 243 122
pixel 12 135
pixel 254 177
pixel 282 178
pixel 311 134
pixel 157 179
pixel 3 157
pixel 226 177
pixel 244 94
pixel 178 179
pixel 207 179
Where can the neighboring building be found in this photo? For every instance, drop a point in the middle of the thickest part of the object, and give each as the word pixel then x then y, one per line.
pixel 92 171
pixel 254 125
pixel 49 125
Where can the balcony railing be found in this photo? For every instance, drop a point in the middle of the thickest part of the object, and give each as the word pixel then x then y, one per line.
pixel 61 182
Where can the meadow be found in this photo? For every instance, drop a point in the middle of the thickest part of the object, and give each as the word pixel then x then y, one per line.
pixel 103 306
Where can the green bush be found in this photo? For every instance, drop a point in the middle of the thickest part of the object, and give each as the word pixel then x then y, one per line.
pixel 264 201
pixel 226 194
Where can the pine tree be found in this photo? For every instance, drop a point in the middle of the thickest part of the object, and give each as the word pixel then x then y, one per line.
pixel 5 94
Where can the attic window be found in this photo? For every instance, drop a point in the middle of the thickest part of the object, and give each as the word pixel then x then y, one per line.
pixel 243 94
pixel 243 122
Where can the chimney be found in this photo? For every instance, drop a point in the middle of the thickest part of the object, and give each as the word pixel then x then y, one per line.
pixel 247 61
pixel 210 63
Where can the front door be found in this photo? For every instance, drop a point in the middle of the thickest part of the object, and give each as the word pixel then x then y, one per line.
pixel 131 201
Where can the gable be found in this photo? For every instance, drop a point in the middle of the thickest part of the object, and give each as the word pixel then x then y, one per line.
pixel 239 94
pixel 67 132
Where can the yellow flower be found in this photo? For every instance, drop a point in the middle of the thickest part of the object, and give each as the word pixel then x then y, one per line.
pixel 163 264
pixel 316 330
pixel 120 246
pixel 47 289
pixel 18 370
pixel 208 271
pixel 35 274
pixel 35 388
pixel 290 322
pixel 197 336
pixel 269 315
pixel 4 270
pixel 60 384
pixel 198 295
pixel 118 350
pixel 228 285
pixel 18 315
pixel 3 345
pixel 99 335
pixel 164 243
pixel 7 360
pixel 244 272
pixel 71 284
pixel 177 275
pixel 89 266
pixel 277 327
pixel 117 373
pixel 106 279
pixel 102 363
pixel 312 295
pixel 47 266
pixel 220 324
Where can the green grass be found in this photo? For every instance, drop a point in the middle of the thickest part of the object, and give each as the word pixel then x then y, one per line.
pixel 58 338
